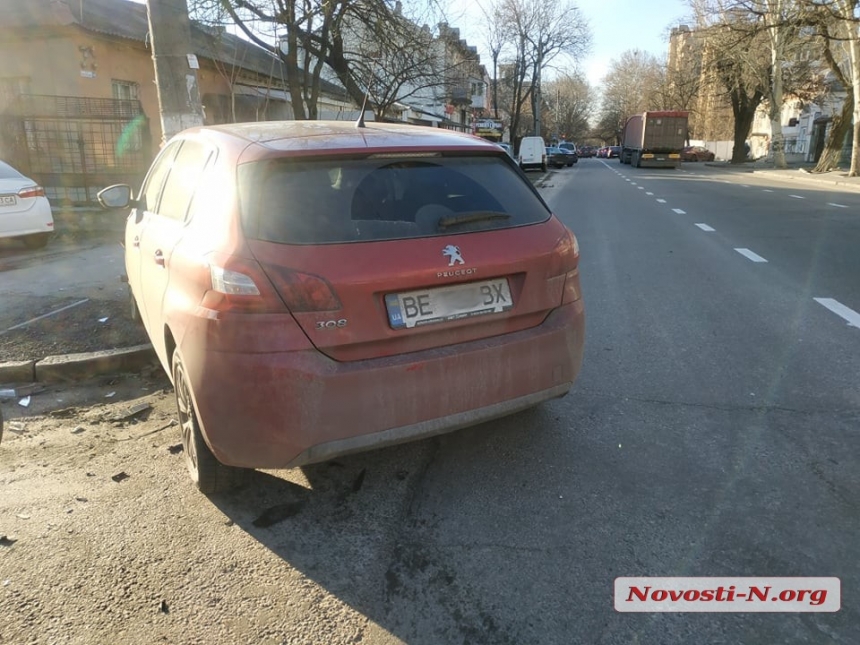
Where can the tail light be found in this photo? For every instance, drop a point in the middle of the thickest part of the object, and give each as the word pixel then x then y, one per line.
pixel 572 291
pixel 303 292
pixel 238 285
pixel 31 191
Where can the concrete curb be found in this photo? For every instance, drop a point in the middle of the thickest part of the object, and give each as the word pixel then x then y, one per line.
pixel 65 368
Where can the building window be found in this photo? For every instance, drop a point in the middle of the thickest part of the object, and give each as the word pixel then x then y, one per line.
pixel 125 90
pixel 477 89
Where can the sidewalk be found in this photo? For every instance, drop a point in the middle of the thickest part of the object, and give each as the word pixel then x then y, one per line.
pixel 795 173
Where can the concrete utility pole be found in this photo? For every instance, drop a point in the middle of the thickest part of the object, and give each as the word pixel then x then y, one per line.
pixel 176 66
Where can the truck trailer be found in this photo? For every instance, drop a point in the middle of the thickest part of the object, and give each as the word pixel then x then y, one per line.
pixel 654 139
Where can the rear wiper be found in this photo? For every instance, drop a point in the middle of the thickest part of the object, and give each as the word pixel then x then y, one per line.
pixel 468 218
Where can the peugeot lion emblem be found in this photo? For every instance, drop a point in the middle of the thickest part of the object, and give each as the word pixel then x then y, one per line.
pixel 453 252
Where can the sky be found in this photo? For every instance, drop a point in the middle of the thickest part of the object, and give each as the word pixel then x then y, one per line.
pixel 616 26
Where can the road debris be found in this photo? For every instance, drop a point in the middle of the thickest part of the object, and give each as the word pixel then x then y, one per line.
pixel 63 413
pixel 5 540
pixel 175 450
pixel 163 608
pixel 78 429
pixel 25 402
pixel 21 391
pixel 16 427
pixel 104 320
pixel 134 411
pixel 22 516
pixel 120 477
pixel 110 395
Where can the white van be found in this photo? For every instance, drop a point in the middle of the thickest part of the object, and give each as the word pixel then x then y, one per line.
pixel 532 153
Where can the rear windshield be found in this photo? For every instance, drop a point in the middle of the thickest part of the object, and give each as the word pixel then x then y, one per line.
pixel 8 172
pixel 302 201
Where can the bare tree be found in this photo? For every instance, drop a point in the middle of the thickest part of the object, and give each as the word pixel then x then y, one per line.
pixel 538 32
pixel 572 103
pixel 633 84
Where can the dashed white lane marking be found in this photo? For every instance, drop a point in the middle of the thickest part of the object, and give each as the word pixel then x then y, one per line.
pixel 837 205
pixel 626 180
pixel 840 310
pixel 744 186
pixel 662 201
pixel 632 183
pixel 639 188
pixel 705 227
pixel 767 190
pixel 649 193
pixel 679 211
pixel 796 196
pixel 750 255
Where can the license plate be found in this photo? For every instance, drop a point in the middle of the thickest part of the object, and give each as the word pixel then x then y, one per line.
pixel 429 306
pixel 8 200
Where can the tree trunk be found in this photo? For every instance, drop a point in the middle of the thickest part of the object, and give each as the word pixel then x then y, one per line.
pixel 838 129
pixel 854 55
pixel 743 108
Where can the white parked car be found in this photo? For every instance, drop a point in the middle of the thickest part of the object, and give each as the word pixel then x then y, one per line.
pixel 24 210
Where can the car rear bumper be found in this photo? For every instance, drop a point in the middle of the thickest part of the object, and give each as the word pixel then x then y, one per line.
pixel 34 220
pixel 286 409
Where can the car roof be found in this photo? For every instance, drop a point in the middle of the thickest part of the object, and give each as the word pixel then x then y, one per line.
pixel 322 136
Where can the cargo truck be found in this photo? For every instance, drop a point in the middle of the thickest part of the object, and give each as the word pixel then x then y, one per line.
pixel 654 139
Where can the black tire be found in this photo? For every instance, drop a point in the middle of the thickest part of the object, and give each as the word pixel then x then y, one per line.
pixel 543 167
pixel 37 241
pixel 208 474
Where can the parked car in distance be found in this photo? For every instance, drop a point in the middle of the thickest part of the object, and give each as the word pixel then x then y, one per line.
pixel 570 150
pixel 696 153
pixel 25 212
pixel 557 158
pixel 613 152
pixel 602 152
pixel 532 153
pixel 586 151
pixel 314 289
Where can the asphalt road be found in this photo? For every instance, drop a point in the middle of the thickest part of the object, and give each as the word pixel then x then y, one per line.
pixel 712 432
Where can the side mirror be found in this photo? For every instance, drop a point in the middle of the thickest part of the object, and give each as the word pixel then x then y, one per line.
pixel 116 196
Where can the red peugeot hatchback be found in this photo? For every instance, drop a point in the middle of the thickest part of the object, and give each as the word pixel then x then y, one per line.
pixel 317 288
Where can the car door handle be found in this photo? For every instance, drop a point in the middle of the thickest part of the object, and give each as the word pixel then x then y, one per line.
pixel 159 258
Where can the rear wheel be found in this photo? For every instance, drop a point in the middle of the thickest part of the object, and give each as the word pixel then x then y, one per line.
pixel 543 167
pixel 37 241
pixel 209 474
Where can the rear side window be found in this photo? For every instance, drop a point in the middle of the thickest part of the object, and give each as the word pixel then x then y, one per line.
pixel 185 174
pixel 302 201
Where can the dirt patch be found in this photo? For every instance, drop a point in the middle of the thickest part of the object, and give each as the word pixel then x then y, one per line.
pixel 90 326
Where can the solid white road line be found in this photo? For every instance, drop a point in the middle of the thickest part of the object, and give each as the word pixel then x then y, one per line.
pixel 796 196
pixel 50 313
pixel 750 255
pixel 662 201
pixel 679 211
pixel 840 310
pixel 705 227
pixel 837 205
